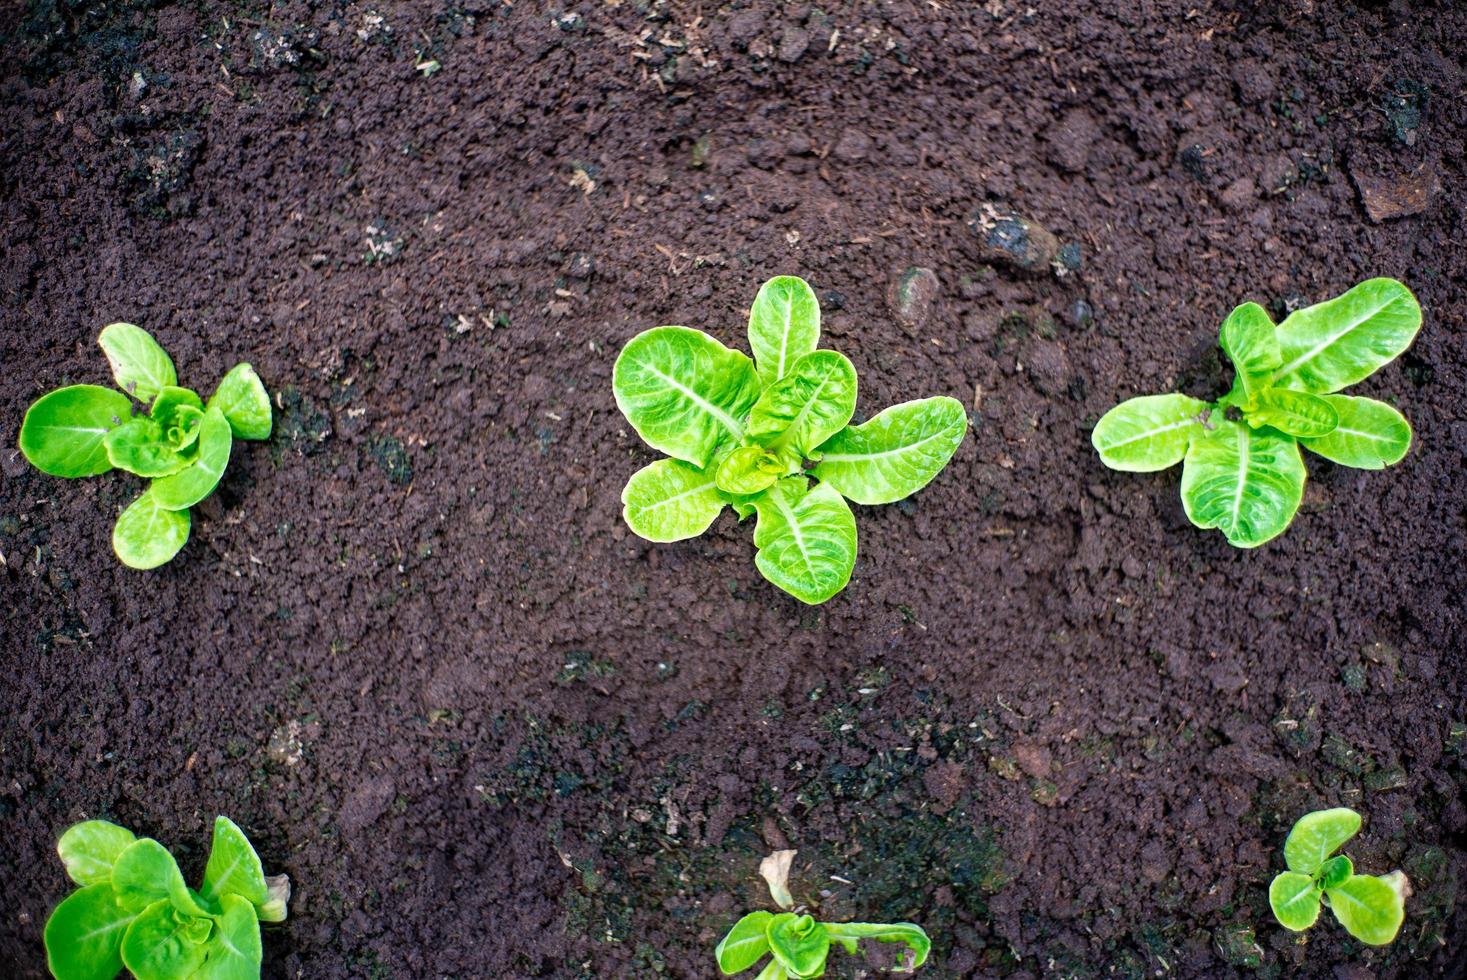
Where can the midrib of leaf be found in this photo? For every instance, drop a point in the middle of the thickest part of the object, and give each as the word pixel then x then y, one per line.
pixel 212 891
pixel 719 415
pixel 109 927
pixel 1299 897
pixel 1373 437
pixel 668 500
pixel 784 337
pixel 1149 433
pixel 1245 446
pixel 804 411
pixel 899 450
pixel 789 516
pixel 1335 894
pixel 1308 355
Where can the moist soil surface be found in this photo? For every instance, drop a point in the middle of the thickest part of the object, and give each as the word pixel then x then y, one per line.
pixel 414 652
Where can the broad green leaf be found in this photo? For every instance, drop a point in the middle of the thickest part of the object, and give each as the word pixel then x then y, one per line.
pixel 1371 909
pixel 1294 898
pixel 1248 337
pixel 178 413
pixel 162 944
pixel 748 470
pixel 243 400
pixel 1346 339
pixel 812 402
pixel 63 431
pixel 1246 484
pixel 195 482
pixel 146 873
pixel 234 868
pixel 140 448
pixel 233 949
pixel 89 850
pixel 670 500
pixel 1335 871
pixel 1316 836
pixel 848 934
pixel 684 392
pixel 1371 435
pixel 799 943
pixel 147 535
pixel 784 325
pixel 1294 413
pixel 746 943
pixel 894 454
pixel 806 539
pixel 140 367
pixel 84 935
pixel 1149 433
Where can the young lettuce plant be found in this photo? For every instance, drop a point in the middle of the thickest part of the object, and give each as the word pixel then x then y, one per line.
pixel 1242 472
pixel 182 444
pixel 753 433
pixel 133 909
pixel 1370 908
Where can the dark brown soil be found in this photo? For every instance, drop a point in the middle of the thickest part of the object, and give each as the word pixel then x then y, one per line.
pixel 412 649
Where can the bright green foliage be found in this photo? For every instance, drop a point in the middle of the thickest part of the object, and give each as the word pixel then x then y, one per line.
pixel 134 910
pixel 752 434
pixel 1242 471
pixel 799 945
pixel 1370 908
pixel 182 445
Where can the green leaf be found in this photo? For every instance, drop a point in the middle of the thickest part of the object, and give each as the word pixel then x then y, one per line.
pixel 1371 909
pixel 1149 433
pixel 178 413
pixel 806 539
pixel 799 943
pixel 140 447
pixel 684 392
pixel 849 933
pixel 773 970
pixel 1246 484
pixel 1335 871
pixel 812 402
pixel 243 400
pixel 146 873
pixel 195 482
pixel 745 944
pixel 784 325
pixel 147 535
pixel 234 868
pixel 1294 898
pixel 63 431
pixel 140 367
pixel 84 935
pixel 669 500
pixel 1294 413
pixel 1371 435
pixel 1315 836
pixel 1249 339
pixel 894 454
pixel 233 949
pixel 749 470
pixel 162 944
pixel 89 850
pixel 1346 339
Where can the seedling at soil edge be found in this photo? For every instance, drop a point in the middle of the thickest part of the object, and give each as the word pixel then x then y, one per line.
pixel 182 444
pixel 799 944
pixel 1370 908
pixel 1242 472
pixel 751 434
pixel 133 909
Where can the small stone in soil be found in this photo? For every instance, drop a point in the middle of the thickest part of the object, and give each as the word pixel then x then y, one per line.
pixel 1006 238
pixel 1400 196
pixel 911 296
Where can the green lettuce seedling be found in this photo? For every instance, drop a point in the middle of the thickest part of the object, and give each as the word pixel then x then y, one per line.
pixel 182 444
pixel 1242 472
pixel 798 945
pixel 133 909
pixel 752 434
pixel 1370 908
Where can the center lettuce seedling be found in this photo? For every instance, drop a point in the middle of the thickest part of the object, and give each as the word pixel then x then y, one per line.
pixel 751 434
pixel 134 910
pixel 1242 472
pixel 1370 908
pixel 182 445
pixel 798 945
